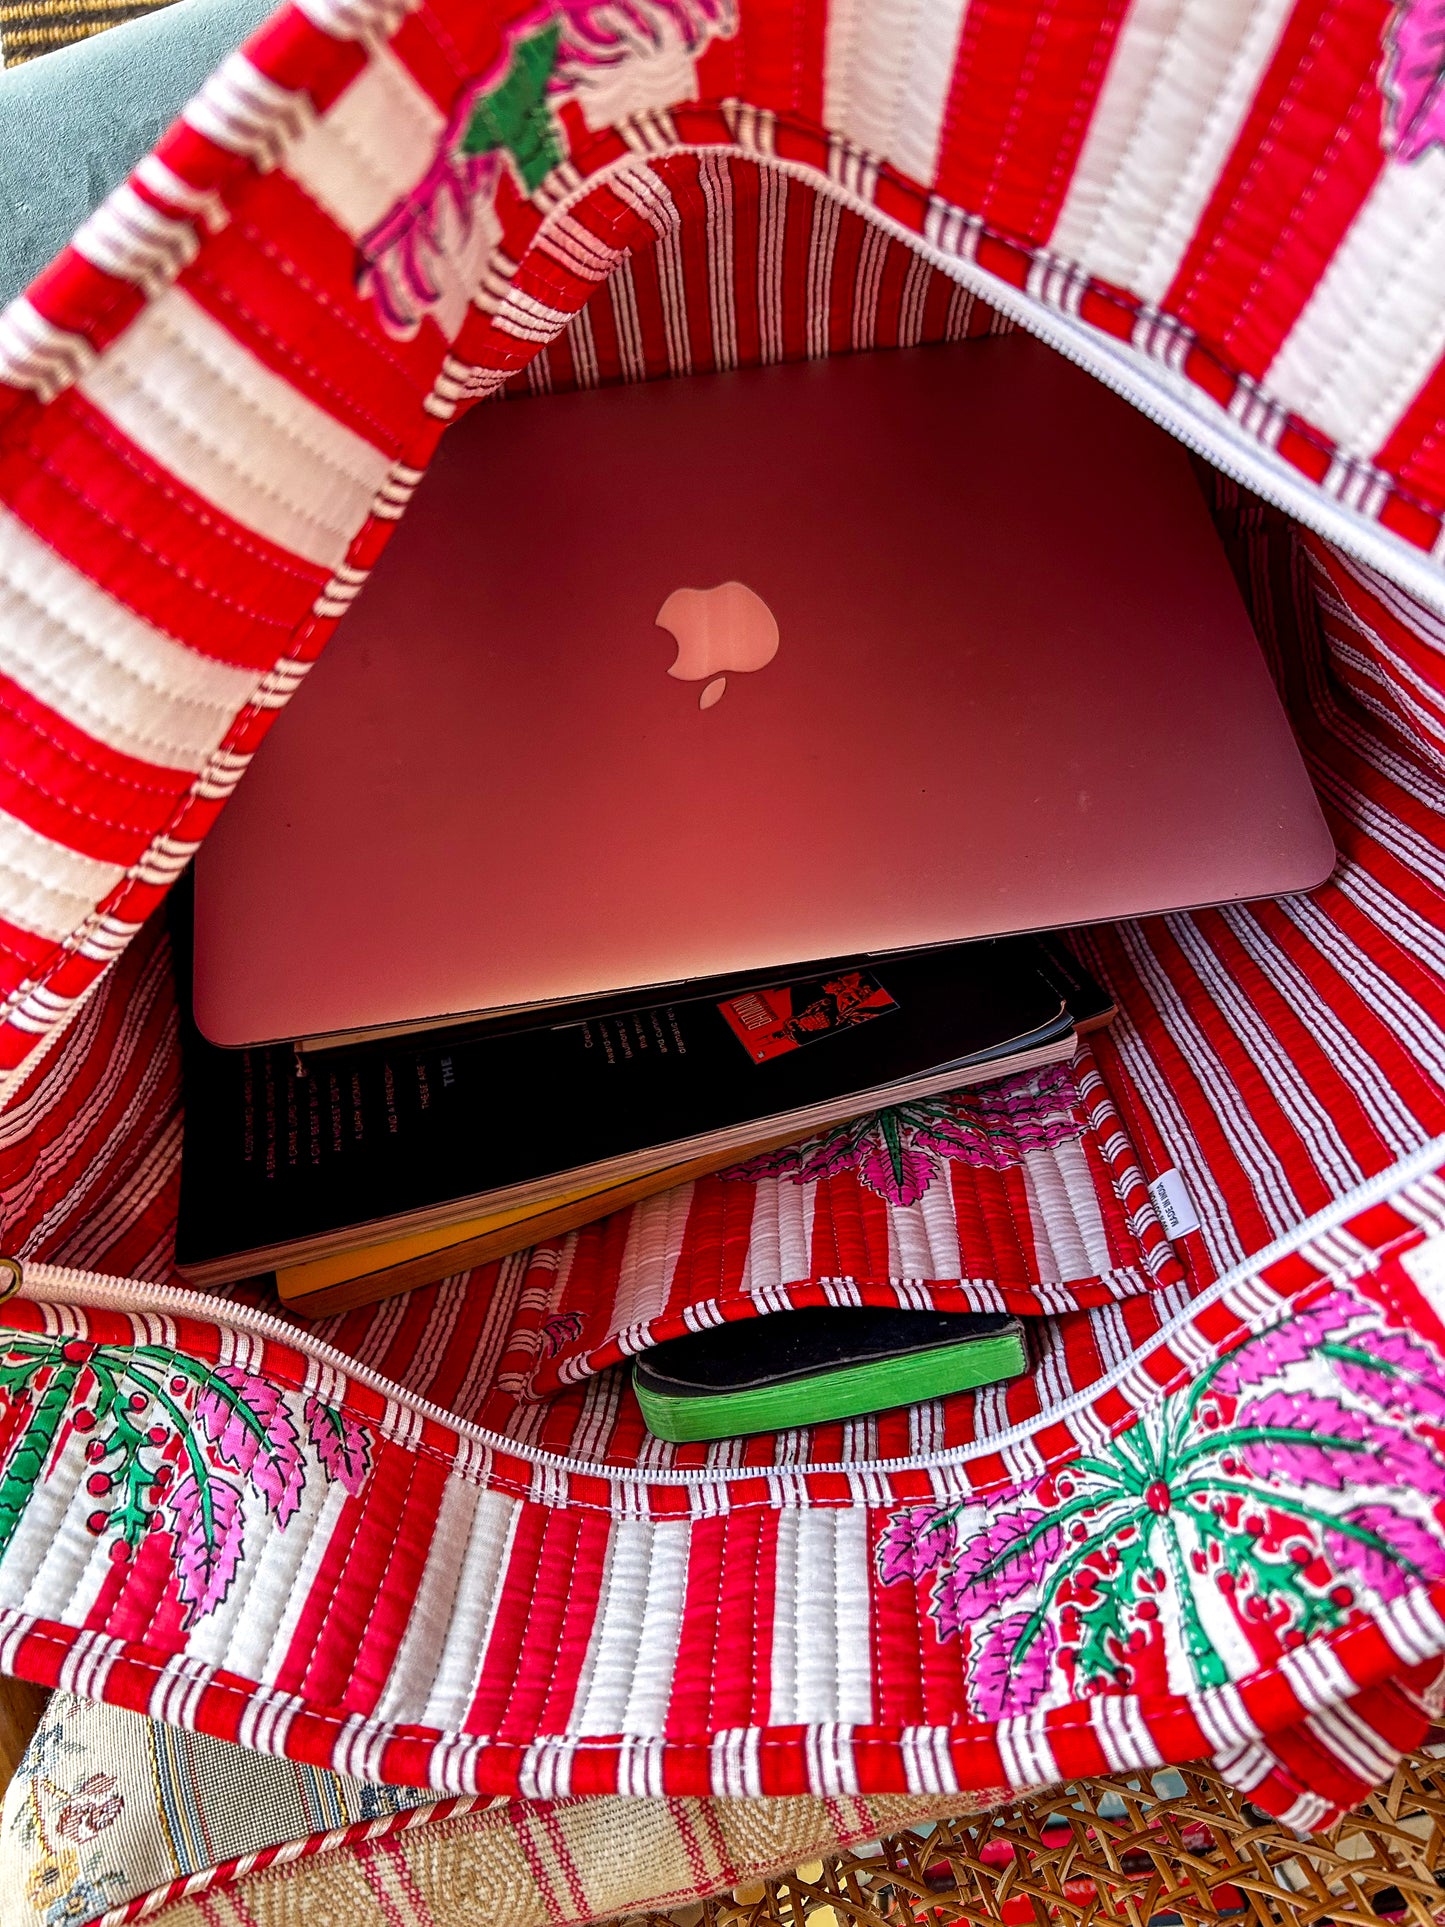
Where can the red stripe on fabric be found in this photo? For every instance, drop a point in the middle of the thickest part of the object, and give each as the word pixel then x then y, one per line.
pixel 850 1230
pixel 74 790
pixel 157 546
pixel 1334 983
pixel 647 297
pixel 378 1592
pixel 1304 162
pixel 918 1678
pixel 802 208
pixel 80 1184
pixel 294 52
pixel 1025 83
pixel 387 1479
pixel 719 1680
pixel 852 231
pixel 23 956
pixel 746 234
pixel 281 278
pixel 715 1246
pixel 530 1553
pixel 75 295
pixel 1414 450
pixel 565 1609
pixel 425 47
pixel 683 175
pixel 775 61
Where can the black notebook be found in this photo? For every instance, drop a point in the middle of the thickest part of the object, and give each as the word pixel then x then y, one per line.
pixel 287 1159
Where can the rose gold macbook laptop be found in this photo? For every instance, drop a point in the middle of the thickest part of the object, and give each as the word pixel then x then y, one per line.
pixel 723 673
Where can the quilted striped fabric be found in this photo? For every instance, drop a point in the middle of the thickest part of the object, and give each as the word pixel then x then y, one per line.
pixel 1022 1197
pixel 1227 1543
pixel 1210 1522
pixel 218 400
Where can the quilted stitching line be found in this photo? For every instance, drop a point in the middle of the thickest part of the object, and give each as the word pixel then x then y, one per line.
pixel 1072 1720
pixel 402 1432
pixel 276 560
pixel 1224 234
pixel 189 430
pixel 167 563
pixel 59 696
pixel 348 404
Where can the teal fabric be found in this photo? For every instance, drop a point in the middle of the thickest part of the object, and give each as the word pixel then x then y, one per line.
pixel 74 123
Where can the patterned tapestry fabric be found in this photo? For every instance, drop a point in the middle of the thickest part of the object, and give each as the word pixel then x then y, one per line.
pixel 32 27
pixel 114 1817
pixel 108 1807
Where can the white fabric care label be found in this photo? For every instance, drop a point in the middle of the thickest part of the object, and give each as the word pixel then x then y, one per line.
pixel 1174 1205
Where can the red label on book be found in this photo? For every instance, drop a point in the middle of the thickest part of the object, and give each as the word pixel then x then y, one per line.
pixel 769 1023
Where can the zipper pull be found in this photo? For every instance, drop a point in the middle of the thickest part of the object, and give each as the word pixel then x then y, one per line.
pixel 11 1278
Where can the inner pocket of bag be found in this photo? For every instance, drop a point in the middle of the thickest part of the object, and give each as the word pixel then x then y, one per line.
pixel 1021 1196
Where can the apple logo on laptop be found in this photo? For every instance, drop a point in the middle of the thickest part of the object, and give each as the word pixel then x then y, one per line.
pixel 718 631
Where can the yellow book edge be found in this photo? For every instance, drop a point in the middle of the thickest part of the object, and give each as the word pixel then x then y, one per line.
pixel 365 1274
pixel 321 1287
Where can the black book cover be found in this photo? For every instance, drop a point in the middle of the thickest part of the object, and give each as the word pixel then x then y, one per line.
pixel 279 1152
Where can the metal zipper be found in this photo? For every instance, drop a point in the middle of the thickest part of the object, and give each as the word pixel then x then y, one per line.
pixel 1192 420
pixel 55 1284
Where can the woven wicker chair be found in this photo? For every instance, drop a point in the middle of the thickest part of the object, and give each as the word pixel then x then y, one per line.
pixel 1187 1848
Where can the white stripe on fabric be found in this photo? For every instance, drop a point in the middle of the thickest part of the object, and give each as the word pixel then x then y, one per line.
pixel 1352 362
pixel 459 1664
pixel 1223 1718
pixel 413 1671
pixel 97 664
pixel 714 177
pixel 821 1668
pixel 271 1634
pixel 780 1246
pixel 365 152
pixel 1068 1226
pixel 1355 1742
pixel 649 1257
pixel 1181 79
pixel 1317 1677
pixel 128 238
pixel 736 1769
pixel 822 246
pixel 44 887
pixel 889 66
pixel 627 1675
pixel 772 228
pixel 1305 1814
pixel 832 1764
pixel 205 408
pixel 1123 1732
pixel 923 1237
pixel 246 112
pixel 37 355
pixel 928 1760
pixel 1329 1153
pixel 1023 1747
pixel 248 1633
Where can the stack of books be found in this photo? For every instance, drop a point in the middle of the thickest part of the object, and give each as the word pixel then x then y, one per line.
pixel 356 1172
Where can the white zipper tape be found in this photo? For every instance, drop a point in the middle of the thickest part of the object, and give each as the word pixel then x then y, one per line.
pixel 56 1284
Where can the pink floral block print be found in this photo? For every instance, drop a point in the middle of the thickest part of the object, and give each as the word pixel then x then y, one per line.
pixel 1295 1483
